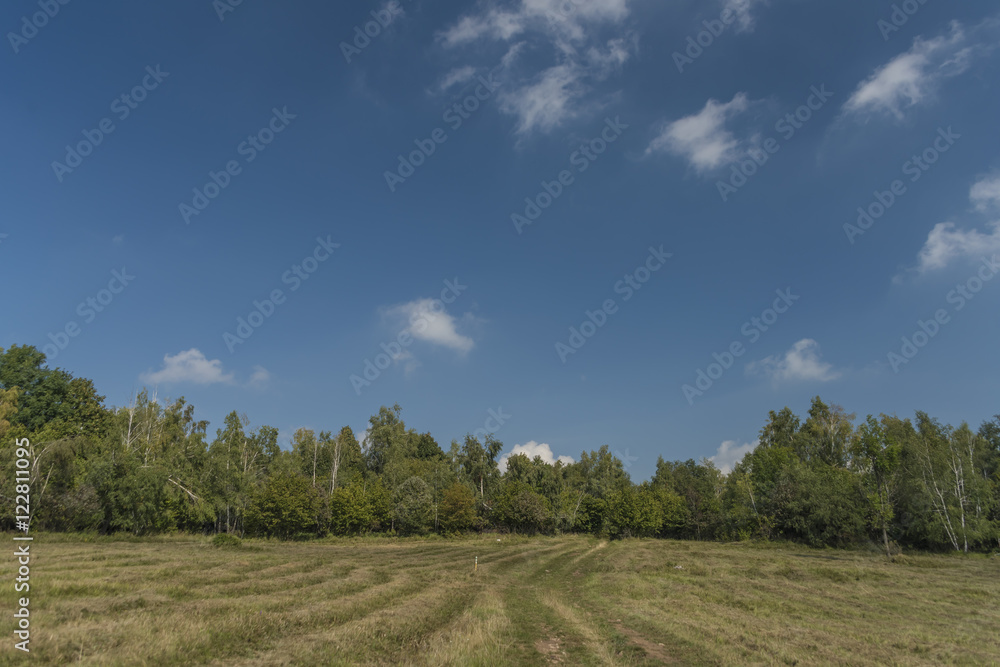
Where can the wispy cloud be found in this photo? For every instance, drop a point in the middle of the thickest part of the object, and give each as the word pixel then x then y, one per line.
pixel 260 378
pixel 985 194
pixel 914 76
pixel 545 97
pixel 801 362
pixel 702 138
pixel 743 10
pixel 457 76
pixel 531 449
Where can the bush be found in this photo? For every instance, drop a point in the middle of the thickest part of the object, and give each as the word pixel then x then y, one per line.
pixel 226 541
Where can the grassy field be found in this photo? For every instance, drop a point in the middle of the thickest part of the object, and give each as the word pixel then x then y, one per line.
pixel 565 600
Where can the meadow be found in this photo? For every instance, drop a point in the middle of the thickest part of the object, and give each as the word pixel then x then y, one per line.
pixel 545 600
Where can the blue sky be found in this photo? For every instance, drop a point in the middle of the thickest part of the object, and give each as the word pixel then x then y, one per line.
pixel 560 212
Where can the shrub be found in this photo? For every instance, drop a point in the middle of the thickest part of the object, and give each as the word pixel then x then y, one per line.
pixel 226 541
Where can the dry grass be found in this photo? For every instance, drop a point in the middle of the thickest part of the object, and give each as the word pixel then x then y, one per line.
pixel 567 600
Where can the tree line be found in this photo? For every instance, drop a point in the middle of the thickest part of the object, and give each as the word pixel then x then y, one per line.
pixel 150 467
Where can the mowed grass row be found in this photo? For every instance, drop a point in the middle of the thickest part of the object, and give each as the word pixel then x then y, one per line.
pixel 566 600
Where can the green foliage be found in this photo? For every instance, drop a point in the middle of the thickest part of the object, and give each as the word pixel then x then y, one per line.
pixel 520 509
pixel 457 510
pixel 149 468
pixel 360 508
pixel 226 541
pixel 634 512
pixel 285 507
pixel 47 399
pixel 590 515
pixel 413 509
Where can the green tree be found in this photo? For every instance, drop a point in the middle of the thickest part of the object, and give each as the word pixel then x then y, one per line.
pixel 634 512
pixel 285 507
pixel 520 509
pixel 413 509
pixel 457 509
pixel 478 462
pixel 877 458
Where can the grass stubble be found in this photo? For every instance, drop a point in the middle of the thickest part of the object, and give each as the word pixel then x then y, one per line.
pixel 565 600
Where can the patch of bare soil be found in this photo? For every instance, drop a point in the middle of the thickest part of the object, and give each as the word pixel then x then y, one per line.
pixel 654 650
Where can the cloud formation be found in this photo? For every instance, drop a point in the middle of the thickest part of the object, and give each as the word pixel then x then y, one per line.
pixel 729 454
pixel 702 138
pixel 914 76
pixel 531 449
pixel 189 366
pixel 985 194
pixel 260 377
pixel 947 243
pixel 542 99
pixel 745 21
pixel 801 362
pixel 426 320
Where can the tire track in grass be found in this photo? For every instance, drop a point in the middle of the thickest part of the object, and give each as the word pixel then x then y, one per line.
pixel 480 636
pixel 535 625
pixel 386 631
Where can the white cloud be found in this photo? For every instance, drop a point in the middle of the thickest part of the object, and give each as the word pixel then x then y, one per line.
pixel 914 76
pixel 729 454
pixel 457 76
pixel 429 322
pixel 545 97
pixel 531 449
pixel 188 366
pixel 986 193
pixel 545 103
pixel 801 362
pixel 118 240
pixel 702 138
pixel 947 243
pixel 742 9
pixel 260 377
